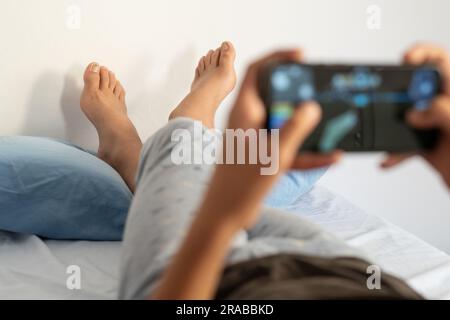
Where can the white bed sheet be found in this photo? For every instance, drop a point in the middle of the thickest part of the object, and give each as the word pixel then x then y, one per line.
pixel 31 268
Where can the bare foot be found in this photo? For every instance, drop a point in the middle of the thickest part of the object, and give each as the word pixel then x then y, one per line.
pixel 214 79
pixel 103 103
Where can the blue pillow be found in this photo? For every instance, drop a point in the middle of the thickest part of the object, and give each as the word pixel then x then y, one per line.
pixel 58 191
pixel 292 185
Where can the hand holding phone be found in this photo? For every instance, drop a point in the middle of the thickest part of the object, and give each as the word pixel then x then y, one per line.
pixel 363 106
pixel 436 116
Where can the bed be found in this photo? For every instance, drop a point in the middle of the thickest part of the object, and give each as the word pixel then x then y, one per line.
pixel 32 268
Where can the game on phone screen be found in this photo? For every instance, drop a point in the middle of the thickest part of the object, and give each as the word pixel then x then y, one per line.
pixel 363 107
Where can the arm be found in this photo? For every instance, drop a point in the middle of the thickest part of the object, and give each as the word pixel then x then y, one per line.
pixel 195 270
pixel 234 197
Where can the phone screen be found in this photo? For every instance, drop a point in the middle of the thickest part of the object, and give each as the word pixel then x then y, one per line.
pixel 363 107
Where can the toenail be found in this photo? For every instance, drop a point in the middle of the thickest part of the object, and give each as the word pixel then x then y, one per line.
pixel 95 67
pixel 225 46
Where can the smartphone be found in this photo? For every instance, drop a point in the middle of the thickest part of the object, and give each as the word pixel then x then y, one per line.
pixel 363 106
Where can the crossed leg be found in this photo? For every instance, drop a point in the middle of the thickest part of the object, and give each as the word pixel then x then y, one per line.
pixel 103 103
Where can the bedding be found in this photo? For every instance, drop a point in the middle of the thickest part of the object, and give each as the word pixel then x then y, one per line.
pixel 33 268
pixel 58 191
pixel 292 185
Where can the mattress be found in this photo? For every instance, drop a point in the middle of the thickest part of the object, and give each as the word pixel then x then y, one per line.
pixel 32 268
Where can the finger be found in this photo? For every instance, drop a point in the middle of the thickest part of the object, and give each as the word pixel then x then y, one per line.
pixel 421 119
pixel 297 129
pixel 248 101
pixel 249 105
pixel 440 111
pixel 422 53
pixel 294 55
pixel 394 159
pixel 427 53
pixel 312 161
pixel 436 116
pixel 431 54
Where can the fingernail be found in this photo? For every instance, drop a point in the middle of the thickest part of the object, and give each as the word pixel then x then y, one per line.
pixel 225 46
pixel 95 67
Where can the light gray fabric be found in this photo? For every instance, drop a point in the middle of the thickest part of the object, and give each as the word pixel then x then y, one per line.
pixel 164 205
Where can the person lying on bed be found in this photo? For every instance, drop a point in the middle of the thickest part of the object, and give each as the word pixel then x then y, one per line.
pixel 103 103
pixel 190 236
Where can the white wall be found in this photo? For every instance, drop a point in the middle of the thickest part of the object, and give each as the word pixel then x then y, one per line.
pixel 153 47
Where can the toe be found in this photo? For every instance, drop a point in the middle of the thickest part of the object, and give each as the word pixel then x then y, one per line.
pixel 122 93
pixel 91 76
pixel 208 59
pixel 112 80
pixel 201 65
pixel 197 74
pixel 227 54
pixel 215 57
pixel 104 78
pixel 199 68
pixel 118 89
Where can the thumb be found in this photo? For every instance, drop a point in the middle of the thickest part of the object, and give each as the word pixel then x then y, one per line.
pixel 298 127
pixel 421 119
pixel 436 116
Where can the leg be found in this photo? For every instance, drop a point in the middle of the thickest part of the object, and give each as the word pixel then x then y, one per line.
pixel 103 102
pixel 168 194
pixel 214 79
